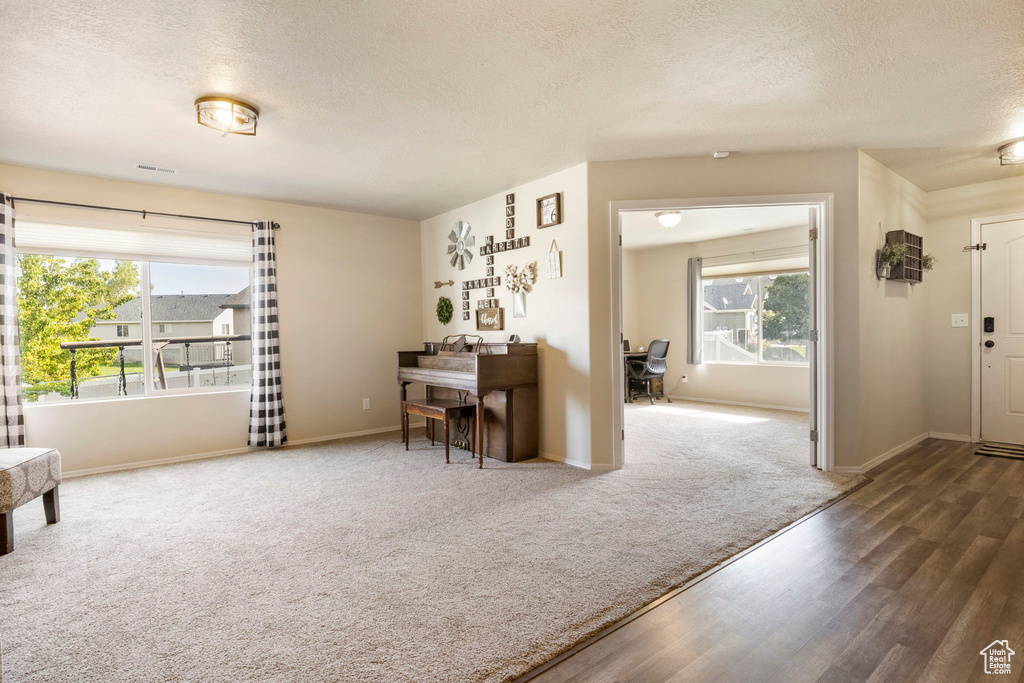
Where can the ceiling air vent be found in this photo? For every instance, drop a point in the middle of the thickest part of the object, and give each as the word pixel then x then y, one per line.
pixel 157 169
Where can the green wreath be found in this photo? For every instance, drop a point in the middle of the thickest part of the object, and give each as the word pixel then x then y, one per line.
pixel 445 310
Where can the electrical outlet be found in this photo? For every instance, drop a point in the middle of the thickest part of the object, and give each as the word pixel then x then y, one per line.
pixel 958 320
pixel 366 404
pixel 684 379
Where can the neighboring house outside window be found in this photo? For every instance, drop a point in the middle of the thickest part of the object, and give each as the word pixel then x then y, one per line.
pixel 122 330
pixel 757 319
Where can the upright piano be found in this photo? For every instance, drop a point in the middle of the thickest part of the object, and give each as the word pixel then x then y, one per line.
pixel 500 378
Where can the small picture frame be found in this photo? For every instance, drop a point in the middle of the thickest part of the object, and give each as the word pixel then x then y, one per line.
pixel 549 210
pixel 490 319
pixel 510 233
pixel 510 199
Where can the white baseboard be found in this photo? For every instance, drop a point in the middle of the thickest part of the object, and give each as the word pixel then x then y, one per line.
pixel 574 462
pixel 739 403
pixel 950 437
pixel 891 453
pixel 218 454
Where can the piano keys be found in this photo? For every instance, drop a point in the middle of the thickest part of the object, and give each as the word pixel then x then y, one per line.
pixel 501 378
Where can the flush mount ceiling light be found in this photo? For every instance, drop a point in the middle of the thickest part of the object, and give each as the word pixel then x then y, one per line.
pixel 227 115
pixel 669 219
pixel 1012 153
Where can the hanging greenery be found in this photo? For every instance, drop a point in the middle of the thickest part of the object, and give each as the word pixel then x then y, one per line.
pixel 445 309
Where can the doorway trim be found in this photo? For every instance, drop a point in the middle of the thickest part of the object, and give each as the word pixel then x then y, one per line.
pixel 975 320
pixel 823 284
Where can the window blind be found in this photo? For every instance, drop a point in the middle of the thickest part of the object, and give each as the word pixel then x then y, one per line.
pixel 156 244
pixel 767 262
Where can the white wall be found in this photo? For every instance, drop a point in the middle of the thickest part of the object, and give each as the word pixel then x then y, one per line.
pixel 893 393
pixel 349 300
pixel 556 310
pixel 655 281
pixel 948 291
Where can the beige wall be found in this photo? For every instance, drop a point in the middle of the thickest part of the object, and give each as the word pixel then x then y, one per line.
pixel 556 310
pixel 893 393
pixel 362 270
pixel 655 281
pixel 948 291
pixel 766 174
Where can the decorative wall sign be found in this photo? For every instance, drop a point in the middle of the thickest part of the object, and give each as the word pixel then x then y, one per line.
pixel 439 285
pixel 490 271
pixel 490 319
pixel 465 295
pixel 510 222
pixel 509 234
pixel 554 261
pixel 482 283
pixel 490 260
pixel 549 210
pixel 510 199
pixel 487 303
pixel 461 241
pixel 507 245
pixel 465 315
pixel 490 291
pixel 465 305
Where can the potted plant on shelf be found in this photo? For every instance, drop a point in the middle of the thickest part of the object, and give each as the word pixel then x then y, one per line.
pixel 928 262
pixel 889 256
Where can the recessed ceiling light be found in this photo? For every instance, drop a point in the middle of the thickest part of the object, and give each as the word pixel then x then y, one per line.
pixel 669 219
pixel 1012 153
pixel 720 155
pixel 227 115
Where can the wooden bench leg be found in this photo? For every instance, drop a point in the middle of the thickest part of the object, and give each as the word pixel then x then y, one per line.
pixel 51 504
pixel 405 428
pixel 430 429
pixel 446 460
pixel 6 532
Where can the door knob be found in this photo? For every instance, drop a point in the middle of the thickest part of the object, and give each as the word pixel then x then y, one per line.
pixel 989 344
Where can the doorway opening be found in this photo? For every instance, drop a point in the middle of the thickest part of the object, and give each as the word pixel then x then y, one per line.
pixel 722 309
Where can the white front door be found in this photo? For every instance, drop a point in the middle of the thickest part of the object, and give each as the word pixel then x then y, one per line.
pixel 1002 348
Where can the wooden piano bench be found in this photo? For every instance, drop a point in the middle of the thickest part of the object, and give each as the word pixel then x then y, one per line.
pixel 441 409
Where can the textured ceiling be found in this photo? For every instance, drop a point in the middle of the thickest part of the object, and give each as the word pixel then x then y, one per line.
pixel 641 229
pixel 417 107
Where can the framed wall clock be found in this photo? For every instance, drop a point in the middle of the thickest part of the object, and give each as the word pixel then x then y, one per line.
pixel 549 210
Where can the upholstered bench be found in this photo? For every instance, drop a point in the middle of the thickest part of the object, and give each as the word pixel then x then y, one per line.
pixel 27 473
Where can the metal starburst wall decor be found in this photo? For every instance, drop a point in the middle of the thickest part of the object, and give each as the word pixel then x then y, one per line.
pixel 461 241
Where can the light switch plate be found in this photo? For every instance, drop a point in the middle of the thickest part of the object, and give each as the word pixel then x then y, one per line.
pixel 959 320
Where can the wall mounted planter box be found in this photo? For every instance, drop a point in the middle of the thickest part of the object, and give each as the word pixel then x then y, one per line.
pixel 910 269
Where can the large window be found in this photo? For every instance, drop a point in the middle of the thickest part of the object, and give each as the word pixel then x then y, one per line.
pixel 96 327
pixel 757 318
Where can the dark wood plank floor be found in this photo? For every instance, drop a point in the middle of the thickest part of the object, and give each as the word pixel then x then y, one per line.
pixel 906 579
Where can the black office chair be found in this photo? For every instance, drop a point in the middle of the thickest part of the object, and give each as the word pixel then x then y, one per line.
pixel 652 367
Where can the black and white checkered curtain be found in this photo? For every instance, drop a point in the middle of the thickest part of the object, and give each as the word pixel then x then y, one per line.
pixel 266 410
pixel 12 428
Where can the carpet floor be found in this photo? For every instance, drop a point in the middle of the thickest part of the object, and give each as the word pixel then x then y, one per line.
pixel 357 561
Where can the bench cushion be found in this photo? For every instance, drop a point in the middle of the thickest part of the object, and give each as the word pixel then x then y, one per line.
pixel 26 473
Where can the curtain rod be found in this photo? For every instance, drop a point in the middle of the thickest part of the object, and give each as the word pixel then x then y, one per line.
pixel 142 212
